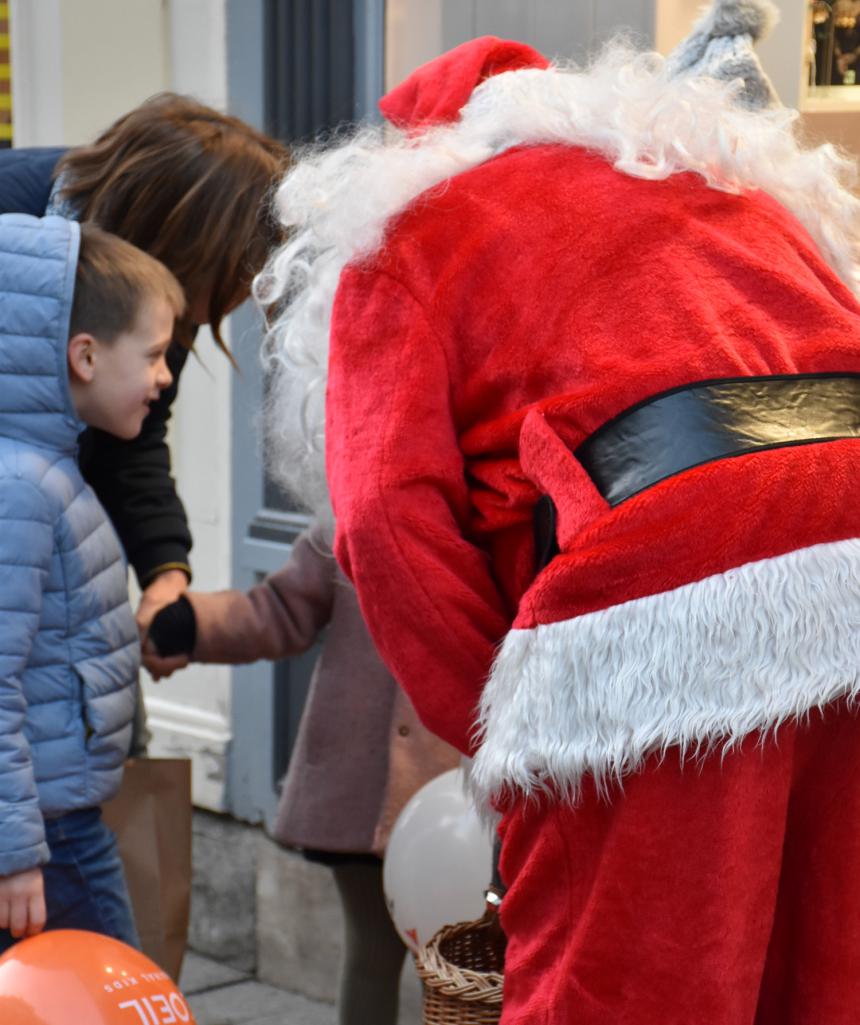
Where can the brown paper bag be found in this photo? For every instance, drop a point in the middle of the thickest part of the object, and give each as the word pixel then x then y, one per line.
pixel 151 816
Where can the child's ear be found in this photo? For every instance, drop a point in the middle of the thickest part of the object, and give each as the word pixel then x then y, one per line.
pixel 82 357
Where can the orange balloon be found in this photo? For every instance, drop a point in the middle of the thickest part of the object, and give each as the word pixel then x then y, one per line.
pixel 71 977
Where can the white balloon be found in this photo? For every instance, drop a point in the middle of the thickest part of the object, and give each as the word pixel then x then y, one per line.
pixel 438 862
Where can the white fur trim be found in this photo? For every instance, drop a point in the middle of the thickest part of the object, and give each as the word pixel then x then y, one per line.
pixel 336 202
pixel 705 664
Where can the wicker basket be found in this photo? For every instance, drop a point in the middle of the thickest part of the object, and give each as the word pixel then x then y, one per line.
pixel 462 971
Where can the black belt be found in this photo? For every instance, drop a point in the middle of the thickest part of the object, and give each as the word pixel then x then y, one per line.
pixel 706 421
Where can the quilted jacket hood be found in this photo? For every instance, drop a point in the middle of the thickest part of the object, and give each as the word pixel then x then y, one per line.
pixel 38 258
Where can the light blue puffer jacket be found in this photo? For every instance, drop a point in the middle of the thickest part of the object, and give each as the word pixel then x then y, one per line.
pixel 69 652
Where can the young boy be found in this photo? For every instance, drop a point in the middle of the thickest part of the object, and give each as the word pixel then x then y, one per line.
pixel 85 322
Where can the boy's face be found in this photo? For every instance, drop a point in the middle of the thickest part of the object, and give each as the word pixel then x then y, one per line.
pixel 117 382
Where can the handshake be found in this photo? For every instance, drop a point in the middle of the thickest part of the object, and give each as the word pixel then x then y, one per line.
pixel 169 642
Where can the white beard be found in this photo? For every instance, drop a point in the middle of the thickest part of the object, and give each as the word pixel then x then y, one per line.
pixel 337 201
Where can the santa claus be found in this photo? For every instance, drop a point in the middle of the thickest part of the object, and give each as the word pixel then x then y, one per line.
pixel 618 305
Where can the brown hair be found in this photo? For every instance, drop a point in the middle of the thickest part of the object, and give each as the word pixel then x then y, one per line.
pixel 113 279
pixel 188 185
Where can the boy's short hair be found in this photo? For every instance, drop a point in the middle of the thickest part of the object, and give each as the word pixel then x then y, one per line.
pixel 112 281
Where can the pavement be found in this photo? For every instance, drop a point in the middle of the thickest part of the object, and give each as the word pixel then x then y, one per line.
pixel 220 995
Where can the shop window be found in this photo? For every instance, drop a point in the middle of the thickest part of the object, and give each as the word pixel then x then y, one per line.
pixel 833 47
pixel 834 42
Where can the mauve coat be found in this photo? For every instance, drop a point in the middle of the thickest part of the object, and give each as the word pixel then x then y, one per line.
pixel 361 752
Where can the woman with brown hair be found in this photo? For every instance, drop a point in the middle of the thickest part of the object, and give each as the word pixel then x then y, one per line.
pixel 188 185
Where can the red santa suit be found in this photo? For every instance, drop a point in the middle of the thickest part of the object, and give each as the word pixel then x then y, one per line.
pixel 662 712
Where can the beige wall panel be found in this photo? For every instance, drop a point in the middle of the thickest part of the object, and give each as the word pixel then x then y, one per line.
pixel 114 55
pixel 782 52
pixel 672 21
pixel 840 128
pixel 36 72
pixel 198 50
pixel 413 36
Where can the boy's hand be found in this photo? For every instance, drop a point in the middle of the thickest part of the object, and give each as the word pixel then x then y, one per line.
pixel 22 903
pixel 158 667
pixel 164 590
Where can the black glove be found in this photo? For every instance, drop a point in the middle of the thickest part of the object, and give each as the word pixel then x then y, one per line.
pixel 173 629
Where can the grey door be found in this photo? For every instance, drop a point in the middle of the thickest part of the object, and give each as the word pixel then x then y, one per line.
pixel 295 69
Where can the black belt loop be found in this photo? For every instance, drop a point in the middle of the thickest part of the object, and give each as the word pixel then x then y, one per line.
pixel 704 422
pixel 545 532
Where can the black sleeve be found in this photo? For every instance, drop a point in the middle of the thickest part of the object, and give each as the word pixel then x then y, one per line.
pixel 133 481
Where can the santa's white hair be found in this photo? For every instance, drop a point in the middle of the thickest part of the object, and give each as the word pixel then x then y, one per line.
pixel 337 200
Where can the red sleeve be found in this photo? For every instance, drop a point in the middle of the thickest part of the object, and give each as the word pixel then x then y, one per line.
pixel 401 500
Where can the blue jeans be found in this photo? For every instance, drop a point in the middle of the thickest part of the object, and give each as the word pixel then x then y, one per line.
pixel 84 882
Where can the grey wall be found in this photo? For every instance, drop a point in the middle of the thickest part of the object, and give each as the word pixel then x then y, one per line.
pixel 558 28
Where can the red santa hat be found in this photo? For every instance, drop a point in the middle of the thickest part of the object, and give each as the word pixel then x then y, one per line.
pixel 437 91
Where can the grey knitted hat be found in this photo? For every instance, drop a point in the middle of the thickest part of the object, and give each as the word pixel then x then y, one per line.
pixel 721 46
